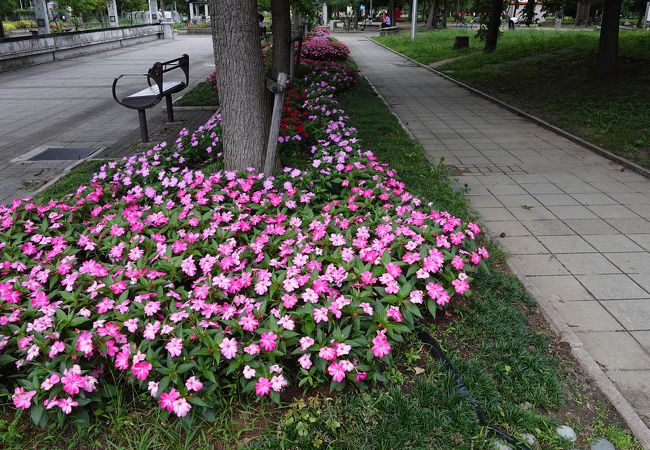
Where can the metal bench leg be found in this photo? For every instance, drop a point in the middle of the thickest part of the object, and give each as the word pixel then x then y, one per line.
pixel 170 108
pixel 144 132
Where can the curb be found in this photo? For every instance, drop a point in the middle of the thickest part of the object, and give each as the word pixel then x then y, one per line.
pixel 573 138
pixel 561 329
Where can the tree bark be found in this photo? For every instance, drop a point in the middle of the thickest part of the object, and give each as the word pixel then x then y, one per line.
pixel 608 44
pixel 432 11
pixel 240 82
pixel 494 23
pixel 281 27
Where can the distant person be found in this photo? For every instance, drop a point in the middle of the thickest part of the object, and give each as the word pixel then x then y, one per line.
pixel 385 21
pixel 262 27
pixel 398 14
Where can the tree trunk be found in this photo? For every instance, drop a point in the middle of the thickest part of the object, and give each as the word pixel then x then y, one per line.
pixel 240 82
pixel 281 27
pixel 432 11
pixel 444 17
pixel 2 28
pixel 608 45
pixel 493 26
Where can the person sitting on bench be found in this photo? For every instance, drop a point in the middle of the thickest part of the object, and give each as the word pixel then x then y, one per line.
pixel 385 20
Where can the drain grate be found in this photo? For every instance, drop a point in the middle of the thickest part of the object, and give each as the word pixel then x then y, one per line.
pixel 63 154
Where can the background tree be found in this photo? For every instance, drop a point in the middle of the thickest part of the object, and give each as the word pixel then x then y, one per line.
pixel 608 43
pixel 6 7
pixel 131 5
pixel 281 28
pixel 240 82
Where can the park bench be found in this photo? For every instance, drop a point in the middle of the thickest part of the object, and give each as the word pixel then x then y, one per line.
pixel 152 95
pixel 388 30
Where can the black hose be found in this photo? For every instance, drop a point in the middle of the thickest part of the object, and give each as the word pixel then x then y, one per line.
pixel 464 392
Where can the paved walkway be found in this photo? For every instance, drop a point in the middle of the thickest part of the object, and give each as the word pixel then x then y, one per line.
pixel 575 224
pixel 69 104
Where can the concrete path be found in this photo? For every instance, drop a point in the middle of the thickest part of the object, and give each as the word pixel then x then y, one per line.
pixel 575 224
pixel 69 104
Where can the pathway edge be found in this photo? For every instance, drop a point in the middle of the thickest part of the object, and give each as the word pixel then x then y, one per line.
pixel 561 329
pixel 572 137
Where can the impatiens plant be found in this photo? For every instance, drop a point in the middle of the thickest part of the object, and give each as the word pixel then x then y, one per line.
pixel 181 281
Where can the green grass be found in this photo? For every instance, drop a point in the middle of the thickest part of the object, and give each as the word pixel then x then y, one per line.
pixel 201 95
pixel 553 75
pixel 430 46
pixel 79 175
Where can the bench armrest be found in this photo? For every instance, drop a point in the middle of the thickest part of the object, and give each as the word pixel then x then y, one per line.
pixel 183 63
pixel 123 76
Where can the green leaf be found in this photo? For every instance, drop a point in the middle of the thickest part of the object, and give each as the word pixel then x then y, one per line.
pixel 36 413
pixel 197 401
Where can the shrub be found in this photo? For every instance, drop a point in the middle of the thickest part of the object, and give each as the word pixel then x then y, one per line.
pixel 184 283
pixel 324 50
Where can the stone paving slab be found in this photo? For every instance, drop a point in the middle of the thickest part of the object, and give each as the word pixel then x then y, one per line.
pixel 574 223
pixel 69 103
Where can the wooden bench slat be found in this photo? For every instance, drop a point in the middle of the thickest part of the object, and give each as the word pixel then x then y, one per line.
pixel 152 91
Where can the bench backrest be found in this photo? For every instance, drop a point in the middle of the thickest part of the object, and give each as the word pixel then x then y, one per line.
pixel 156 71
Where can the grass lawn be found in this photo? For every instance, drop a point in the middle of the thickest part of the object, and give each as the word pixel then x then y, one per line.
pixel 200 95
pixel 557 80
pixel 497 341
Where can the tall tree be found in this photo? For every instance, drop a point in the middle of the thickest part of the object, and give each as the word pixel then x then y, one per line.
pixel 494 22
pixel 240 82
pixel 281 27
pixel 608 44
pixel 6 7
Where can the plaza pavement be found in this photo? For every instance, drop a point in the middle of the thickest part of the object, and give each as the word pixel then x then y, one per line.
pixel 575 224
pixel 69 104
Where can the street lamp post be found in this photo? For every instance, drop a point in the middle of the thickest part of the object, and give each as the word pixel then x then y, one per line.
pixel 414 18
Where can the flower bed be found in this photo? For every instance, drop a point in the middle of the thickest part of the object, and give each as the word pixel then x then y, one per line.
pixel 183 283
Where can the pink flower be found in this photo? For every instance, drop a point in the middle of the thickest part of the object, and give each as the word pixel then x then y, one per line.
pixel 141 370
pixel 56 348
pixel 263 387
pixel 394 313
pixel 305 361
pixel 174 347
pixel 228 348
pixel 416 297
pixel 85 342
pixel 336 371
pixel 66 405
pixel 320 315
pixel 167 399
pixel 252 349
pixel 181 407
pixel 278 383
pixel 193 384
pixel 268 341
pixel 152 387
pixel 380 347
pixel 306 342
pixel 327 353
pixel 461 285
pixel 22 399
pixel 249 372
pixel 360 377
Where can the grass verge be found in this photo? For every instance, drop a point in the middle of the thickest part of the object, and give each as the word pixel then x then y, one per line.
pixel 200 95
pixel 79 175
pixel 557 79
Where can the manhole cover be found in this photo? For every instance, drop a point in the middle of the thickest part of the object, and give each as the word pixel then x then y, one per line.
pixel 63 154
